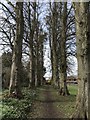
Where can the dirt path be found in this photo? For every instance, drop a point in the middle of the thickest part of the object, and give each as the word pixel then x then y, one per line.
pixel 45 105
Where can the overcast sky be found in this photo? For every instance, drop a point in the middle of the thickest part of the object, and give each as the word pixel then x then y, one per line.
pixel 47 61
pixel 47 64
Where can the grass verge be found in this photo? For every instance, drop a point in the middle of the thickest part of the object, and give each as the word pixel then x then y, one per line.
pixel 66 104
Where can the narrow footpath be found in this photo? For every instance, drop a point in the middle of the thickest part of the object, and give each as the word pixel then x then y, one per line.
pixel 45 105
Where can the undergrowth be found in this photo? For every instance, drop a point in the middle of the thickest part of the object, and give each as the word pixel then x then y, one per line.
pixel 17 108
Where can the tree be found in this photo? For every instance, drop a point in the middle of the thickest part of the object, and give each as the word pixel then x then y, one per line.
pixel 17 53
pixel 31 43
pixel 54 42
pixel 6 65
pixel 63 63
pixel 52 25
pixel 61 30
pixel 34 38
pixel 82 17
pixel 7 27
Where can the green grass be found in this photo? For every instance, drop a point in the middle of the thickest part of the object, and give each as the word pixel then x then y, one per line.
pixel 17 108
pixel 73 89
pixel 66 104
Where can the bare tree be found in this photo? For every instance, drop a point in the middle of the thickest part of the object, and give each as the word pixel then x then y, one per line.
pixel 34 37
pixel 63 64
pixel 15 79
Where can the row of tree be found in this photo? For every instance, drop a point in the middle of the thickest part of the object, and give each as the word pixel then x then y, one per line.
pixel 61 27
pixel 23 32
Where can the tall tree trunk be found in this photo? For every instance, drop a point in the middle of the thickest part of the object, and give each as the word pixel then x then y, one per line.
pixel 41 62
pixel 17 53
pixel 31 42
pixel 82 16
pixel 38 53
pixel 50 41
pixel 88 59
pixel 54 43
pixel 63 64
pixel 41 39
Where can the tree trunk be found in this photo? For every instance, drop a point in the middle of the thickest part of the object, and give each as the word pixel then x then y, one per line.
pixel 41 39
pixel 50 41
pixel 82 16
pixel 31 42
pixel 14 88
pixel 63 64
pixel 88 59
pixel 38 53
pixel 54 44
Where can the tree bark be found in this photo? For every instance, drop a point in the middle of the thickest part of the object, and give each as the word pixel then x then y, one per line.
pixel 31 43
pixel 14 88
pixel 82 16
pixel 54 45
pixel 41 39
pixel 63 63
pixel 38 43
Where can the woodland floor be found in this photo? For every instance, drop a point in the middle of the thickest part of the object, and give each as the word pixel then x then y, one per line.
pixel 49 104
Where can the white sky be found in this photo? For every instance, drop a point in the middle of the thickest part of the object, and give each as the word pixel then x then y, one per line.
pixel 47 61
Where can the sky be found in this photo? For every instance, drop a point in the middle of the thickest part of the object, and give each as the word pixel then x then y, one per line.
pixel 47 64
pixel 47 61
